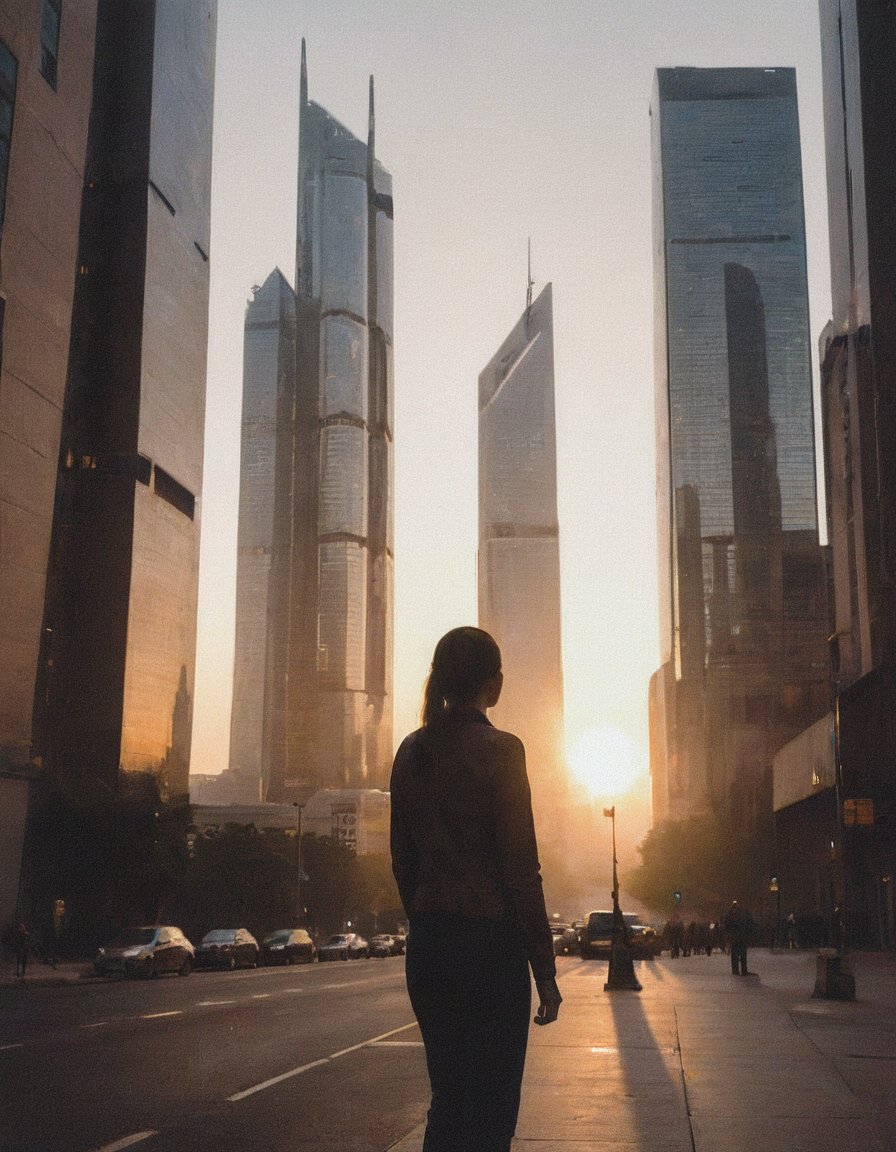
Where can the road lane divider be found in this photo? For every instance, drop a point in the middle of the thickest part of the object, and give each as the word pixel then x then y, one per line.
pixel 237 1096
pixel 276 1080
pixel 159 1015
pixel 128 1141
pixel 7 1047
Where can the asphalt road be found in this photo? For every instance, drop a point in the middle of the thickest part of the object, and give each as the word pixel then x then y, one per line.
pixel 323 1056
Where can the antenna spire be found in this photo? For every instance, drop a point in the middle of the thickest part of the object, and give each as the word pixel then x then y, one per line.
pixel 530 283
pixel 303 82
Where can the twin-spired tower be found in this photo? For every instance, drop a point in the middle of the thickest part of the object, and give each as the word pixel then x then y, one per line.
pixel 313 679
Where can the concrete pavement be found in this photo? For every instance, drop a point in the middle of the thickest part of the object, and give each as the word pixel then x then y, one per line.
pixel 703 1061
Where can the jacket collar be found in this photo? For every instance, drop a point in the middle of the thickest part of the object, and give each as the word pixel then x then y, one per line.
pixel 466 712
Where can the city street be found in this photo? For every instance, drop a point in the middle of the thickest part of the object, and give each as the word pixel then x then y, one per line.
pixel 90 1066
pixel 327 1057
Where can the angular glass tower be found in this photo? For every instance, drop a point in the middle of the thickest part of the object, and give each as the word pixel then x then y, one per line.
pixel 742 580
pixel 328 685
pixel 267 479
pixel 519 555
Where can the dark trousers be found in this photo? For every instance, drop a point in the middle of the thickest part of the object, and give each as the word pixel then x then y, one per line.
pixel 469 985
pixel 738 959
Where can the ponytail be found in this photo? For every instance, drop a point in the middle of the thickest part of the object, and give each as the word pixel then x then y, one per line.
pixel 464 660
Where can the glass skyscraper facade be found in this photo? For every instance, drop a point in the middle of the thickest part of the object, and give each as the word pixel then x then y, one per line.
pixel 519 557
pixel 742 584
pixel 267 474
pixel 329 604
pixel 115 679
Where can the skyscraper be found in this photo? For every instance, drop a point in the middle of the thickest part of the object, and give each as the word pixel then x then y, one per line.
pixel 858 384
pixel 519 556
pixel 331 683
pixel 119 632
pixel 43 144
pixel 267 479
pixel 742 577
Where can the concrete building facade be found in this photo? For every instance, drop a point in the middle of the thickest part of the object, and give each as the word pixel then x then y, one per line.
pixel 743 589
pixel 519 553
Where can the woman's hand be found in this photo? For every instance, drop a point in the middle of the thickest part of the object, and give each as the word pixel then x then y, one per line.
pixel 549 1001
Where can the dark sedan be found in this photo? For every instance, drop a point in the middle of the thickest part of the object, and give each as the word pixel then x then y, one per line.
pixel 227 948
pixel 146 951
pixel 343 946
pixel 288 946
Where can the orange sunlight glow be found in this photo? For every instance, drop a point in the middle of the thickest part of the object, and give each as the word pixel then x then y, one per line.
pixel 606 762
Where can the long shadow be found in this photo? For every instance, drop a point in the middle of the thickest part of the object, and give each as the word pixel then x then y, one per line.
pixel 650 1064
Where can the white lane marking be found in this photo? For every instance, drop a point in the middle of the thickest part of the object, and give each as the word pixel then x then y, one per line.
pixel 159 1015
pixel 286 991
pixel 127 1141
pixel 7 1047
pixel 213 1003
pixel 314 1064
pixel 99 1024
pixel 398 1044
pixel 276 1080
pixel 374 1040
pixel 264 995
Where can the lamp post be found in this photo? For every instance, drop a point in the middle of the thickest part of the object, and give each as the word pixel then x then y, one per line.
pixel 300 911
pixel 621 974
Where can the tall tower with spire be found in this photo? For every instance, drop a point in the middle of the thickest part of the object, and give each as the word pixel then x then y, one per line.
pixel 319 705
pixel 519 550
pixel 339 727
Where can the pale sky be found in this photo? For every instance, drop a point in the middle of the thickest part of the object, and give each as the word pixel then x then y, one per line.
pixel 499 120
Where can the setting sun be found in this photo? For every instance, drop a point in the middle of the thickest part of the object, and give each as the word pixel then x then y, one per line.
pixel 606 762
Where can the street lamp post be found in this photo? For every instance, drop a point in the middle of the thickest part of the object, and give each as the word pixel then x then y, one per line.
pixel 621 975
pixel 300 911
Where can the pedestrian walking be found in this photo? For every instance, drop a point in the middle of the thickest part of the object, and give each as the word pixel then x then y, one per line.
pixel 466 864
pixel 22 948
pixel 738 927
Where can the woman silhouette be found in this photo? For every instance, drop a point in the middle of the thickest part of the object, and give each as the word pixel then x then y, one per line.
pixel 466 865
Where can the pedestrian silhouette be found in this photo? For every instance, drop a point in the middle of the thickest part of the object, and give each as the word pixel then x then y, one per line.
pixel 466 864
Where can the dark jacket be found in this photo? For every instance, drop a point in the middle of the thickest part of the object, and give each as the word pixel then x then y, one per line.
pixel 463 838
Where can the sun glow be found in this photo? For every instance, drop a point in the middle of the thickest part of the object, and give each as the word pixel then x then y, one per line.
pixel 606 762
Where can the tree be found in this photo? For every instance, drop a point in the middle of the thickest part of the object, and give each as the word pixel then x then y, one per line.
pixel 705 858
pixel 114 858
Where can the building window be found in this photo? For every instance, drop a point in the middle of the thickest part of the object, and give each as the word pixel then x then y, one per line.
pixel 49 40
pixel 8 69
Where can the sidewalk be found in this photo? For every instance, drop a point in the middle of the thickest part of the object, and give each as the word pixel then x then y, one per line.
pixel 703 1061
pixel 39 973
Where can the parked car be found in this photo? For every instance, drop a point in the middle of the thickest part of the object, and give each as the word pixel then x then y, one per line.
pixel 566 942
pixel 358 947
pixel 401 941
pixel 288 946
pixel 343 946
pixel 146 951
pixel 644 941
pixel 383 945
pixel 227 948
pixel 597 936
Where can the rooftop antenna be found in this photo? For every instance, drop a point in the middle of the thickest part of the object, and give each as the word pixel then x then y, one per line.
pixel 371 138
pixel 530 283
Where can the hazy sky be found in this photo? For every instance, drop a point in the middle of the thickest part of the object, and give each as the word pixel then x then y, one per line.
pixel 499 120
